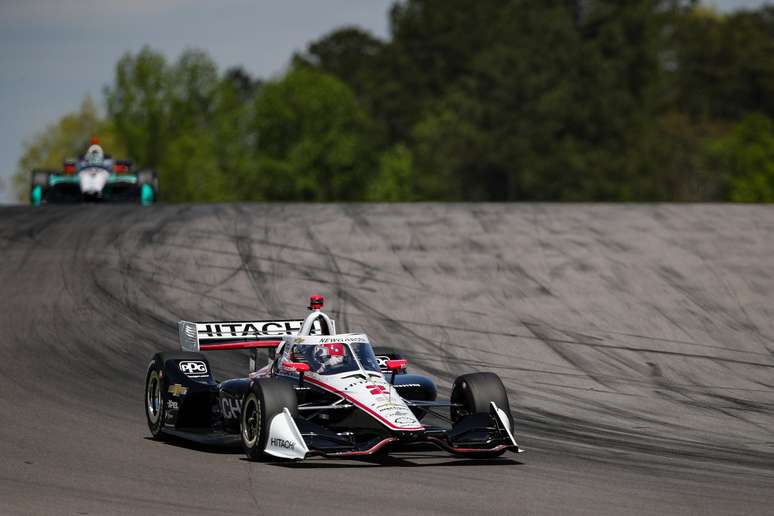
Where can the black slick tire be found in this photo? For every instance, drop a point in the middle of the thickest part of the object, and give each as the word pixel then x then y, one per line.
pixel 267 398
pixel 155 399
pixel 475 391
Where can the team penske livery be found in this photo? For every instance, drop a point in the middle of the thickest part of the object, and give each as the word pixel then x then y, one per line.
pixel 321 393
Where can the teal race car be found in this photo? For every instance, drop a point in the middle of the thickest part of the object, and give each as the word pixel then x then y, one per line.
pixel 94 178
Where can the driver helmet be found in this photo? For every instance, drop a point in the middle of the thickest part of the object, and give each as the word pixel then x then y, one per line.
pixel 330 354
pixel 95 155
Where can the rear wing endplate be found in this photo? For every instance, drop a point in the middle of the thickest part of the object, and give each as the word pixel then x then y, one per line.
pixel 218 335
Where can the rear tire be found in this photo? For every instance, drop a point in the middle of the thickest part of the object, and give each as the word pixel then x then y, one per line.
pixel 155 400
pixel 475 391
pixel 36 195
pixel 267 398
pixel 38 186
pixel 148 184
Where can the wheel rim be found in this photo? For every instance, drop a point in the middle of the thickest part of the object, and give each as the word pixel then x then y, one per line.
pixel 251 421
pixel 458 398
pixel 153 398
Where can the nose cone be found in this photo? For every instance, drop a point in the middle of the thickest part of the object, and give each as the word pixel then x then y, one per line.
pixel 93 180
pixel 381 400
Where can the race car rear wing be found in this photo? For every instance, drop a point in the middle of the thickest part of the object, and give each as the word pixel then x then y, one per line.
pixel 219 335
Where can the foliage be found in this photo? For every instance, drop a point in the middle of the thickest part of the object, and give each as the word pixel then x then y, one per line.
pixel 67 138
pixel 746 158
pixel 138 105
pixel 395 180
pixel 312 139
pixel 725 66
pixel 494 100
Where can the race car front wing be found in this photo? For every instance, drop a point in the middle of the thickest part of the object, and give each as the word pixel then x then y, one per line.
pixel 475 434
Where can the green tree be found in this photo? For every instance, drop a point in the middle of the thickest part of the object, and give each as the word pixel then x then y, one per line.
pixel 745 157
pixel 349 53
pixel 67 138
pixel 723 63
pixel 555 107
pixel 189 163
pixel 454 157
pixel 312 140
pixel 192 86
pixel 173 118
pixel 395 180
pixel 190 171
pixel 434 44
pixel 138 104
pixel 232 132
pixel 489 100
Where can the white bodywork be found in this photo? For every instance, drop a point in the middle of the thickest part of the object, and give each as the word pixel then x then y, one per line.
pixel 93 180
pixel 285 440
pixel 503 417
pixel 366 389
pixel 197 336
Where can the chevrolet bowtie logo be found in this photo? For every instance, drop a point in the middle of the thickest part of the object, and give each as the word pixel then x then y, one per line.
pixel 177 390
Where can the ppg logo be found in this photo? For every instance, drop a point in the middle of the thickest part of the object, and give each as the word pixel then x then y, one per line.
pixel 193 368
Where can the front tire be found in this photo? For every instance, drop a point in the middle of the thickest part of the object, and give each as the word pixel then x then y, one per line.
pixel 252 427
pixel 267 398
pixel 474 392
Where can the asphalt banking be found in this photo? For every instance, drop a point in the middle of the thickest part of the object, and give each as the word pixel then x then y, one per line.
pixel 636 343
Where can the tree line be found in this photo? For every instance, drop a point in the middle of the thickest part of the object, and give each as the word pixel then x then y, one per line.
pixel 493 100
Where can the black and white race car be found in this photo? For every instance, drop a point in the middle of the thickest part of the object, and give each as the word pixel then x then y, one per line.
pixel 322 393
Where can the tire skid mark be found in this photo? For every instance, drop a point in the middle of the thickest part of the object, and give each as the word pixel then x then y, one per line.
pixel 341 312
pixel 481 331
pixel 396 329
pixel 258 279
pixel 580 362
pixel 266 241
pixel 277 262
pixel 113 282
pixel 576 431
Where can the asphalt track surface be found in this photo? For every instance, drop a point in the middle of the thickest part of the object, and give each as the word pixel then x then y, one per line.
pixel 637 344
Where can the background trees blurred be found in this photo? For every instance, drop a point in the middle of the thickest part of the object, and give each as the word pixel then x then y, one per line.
pixel 499 100
pixel 69 136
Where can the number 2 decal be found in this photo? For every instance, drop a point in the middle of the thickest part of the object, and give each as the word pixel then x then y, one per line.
pixel 376 389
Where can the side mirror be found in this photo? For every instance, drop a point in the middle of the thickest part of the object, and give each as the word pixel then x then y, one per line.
pixel 68 166
pixel 122 166
pixel 397 365
pixel 299 367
